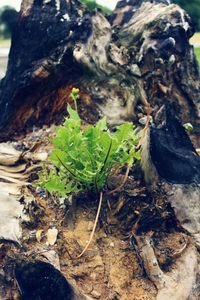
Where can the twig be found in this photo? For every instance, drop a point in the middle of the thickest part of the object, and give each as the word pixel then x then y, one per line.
pixel 122 184
pixel 95 225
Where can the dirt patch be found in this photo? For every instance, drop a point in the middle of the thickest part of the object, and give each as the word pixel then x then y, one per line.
pixel 106 271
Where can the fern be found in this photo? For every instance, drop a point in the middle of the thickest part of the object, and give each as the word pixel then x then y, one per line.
pixel 83 159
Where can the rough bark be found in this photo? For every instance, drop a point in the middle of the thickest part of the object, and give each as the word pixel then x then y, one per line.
pixel 172 166
pixel 140 54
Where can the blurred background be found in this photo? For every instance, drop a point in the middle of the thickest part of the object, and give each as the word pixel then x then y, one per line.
pixel 9 12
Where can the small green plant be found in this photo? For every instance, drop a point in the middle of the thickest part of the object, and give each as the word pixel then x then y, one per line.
pixel 188 127
pixel 82 159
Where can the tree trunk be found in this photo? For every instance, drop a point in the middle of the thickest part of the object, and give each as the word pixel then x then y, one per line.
pixel 140 54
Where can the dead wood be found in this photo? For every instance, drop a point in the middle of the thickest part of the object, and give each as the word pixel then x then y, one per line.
pixel 48 282
pixel 140 54
pixel 178 284
pixel 172 165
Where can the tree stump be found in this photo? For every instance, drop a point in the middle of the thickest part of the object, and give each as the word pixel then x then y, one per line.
pixel 138 55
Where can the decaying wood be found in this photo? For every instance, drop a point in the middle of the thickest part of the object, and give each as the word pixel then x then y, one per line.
pixel 13 169
pixel 178 284
pixel 46 280
pixel 8 154
pixel 14 176
pixel 171 164
pixel 186 204
pixel 140 54
pixel 11 210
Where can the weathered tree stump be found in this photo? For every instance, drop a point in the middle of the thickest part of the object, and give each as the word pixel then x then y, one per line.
pixel 140 54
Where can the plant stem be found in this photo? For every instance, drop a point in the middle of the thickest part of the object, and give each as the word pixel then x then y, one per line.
pixel 95 225
pixel 80 180
pixel 75 104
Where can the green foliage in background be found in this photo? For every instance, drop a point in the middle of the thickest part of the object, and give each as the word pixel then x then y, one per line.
pixel 197 52
pixel 92 4
pixel 193 9
pixel 83 159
